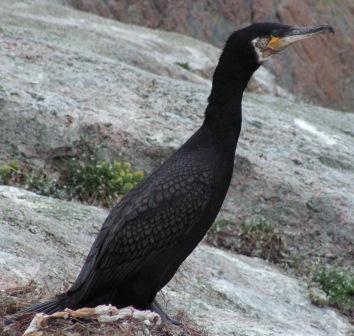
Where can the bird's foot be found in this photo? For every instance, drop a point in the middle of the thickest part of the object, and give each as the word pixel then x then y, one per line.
pixel 155 307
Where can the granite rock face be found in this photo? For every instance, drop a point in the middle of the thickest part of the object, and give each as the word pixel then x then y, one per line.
pixel 321 70
pixel 72 81
pixel 57 62
pixel 225 294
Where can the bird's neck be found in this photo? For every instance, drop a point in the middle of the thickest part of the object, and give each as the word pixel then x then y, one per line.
pixel 224 112
pixel 225 120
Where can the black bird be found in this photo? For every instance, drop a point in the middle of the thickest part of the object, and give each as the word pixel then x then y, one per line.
pixel 153 229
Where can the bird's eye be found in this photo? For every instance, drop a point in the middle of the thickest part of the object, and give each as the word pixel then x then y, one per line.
pixel 276 33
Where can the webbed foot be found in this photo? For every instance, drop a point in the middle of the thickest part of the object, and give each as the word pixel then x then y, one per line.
pixel 155 307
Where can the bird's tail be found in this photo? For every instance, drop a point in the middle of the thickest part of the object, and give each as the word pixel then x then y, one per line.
pixel 56 304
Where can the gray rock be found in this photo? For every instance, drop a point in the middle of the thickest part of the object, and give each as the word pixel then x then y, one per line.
pixel 77 78
pixel 320 70
pixel 71 80
pixel 299 175
pixel 237 295
pixel 223 293
pixel 43 238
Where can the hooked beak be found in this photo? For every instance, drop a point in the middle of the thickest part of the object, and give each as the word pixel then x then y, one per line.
pixel 288 36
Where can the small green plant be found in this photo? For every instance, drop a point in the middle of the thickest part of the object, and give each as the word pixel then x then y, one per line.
pixel 32 179
pixel 220 232
pixel 259 238
pixel 99 182
pixel 258 224
pixel 220 226
pixel 9 171
pixel 318 297
pixel 185 65
pixel 40 183
pixel 93 182
pixel 339 286
pixel 256 238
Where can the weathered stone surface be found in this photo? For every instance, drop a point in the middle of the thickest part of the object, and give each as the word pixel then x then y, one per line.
pixel 294 168
pixel 43 238
pixel 245 296
pixel 47 239
pixel 73 59
pixel 321 70
pixel 71 80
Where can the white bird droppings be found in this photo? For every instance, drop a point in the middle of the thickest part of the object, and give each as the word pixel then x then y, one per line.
pixel 312 129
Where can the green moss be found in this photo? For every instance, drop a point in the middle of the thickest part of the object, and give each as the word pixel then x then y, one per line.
pixel 9 171
pixel 338 284
pixel 185 65
pixel 220 225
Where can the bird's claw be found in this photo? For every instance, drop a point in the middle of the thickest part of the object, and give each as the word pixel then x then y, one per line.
pixel 155 307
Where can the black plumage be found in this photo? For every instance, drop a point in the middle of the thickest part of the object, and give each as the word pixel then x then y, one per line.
pixel 157 225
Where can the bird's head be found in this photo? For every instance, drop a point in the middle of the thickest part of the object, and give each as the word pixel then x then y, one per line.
pixel 267 39
pixel 246 49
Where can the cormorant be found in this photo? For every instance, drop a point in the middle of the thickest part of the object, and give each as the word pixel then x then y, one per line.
pixel 153 229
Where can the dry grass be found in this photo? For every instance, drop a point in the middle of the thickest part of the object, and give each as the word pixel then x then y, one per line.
pixel 257 238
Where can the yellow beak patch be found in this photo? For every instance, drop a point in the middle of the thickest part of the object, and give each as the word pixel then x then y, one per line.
pixel 275 43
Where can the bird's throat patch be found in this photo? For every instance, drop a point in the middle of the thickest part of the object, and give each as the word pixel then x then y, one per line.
pixel 262 49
